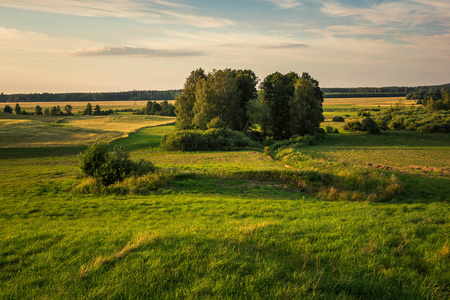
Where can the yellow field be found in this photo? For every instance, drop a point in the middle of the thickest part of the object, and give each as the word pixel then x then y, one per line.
pixel 80 106
pixel 40 131
pixel 375 101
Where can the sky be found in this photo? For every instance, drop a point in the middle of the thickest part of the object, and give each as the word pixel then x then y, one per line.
pixel 121 45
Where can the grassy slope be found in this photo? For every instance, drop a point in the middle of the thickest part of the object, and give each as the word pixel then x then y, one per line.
pixel 206 237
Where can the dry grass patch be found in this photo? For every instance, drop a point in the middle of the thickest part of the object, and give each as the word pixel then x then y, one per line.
pixel 141 241
pixel 375 101
pixel 122 123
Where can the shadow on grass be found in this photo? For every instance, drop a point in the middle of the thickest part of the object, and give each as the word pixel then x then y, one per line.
pixel 253 260
pixel 17 153
pixel 392 138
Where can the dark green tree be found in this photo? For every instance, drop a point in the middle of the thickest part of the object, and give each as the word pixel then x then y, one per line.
pixel 88 109
pixel 46 112
pixel 306 112
pixel 38 110
pixel 7 109
pixel 184 104
pixel 246 81
pixel 97 110
pixel 218 96
pixel 276 91
pixel 68 109
pixel 17 109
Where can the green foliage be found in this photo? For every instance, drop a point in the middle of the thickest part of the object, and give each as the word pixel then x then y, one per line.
pixel 331 129
pixel 109 166
pixel 7 109
pixel 88 109
pixel 415 120
pixel 369 125
pixel 38 110
pixel 184 104
pixel 17 109
pixel 221 139
pixel 216 123
pixel 132 185
pixel 295 104
pixel 305 106
pixel 221 94
pixel 338 119
pixel 353 126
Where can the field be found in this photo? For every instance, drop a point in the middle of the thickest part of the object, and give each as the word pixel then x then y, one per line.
pixel 206 235
pixel 80 105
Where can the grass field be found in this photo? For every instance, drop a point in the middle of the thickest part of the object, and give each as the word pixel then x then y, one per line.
pixel 205 236
pixel 80 106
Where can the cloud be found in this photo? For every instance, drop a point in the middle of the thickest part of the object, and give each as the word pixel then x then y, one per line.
pixel 153 11
pixel 284 46
pixel 133 51
pixel 285 4
pixel 406 13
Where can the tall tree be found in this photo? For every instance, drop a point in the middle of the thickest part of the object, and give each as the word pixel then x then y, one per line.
pixel 184 104
pixel 88 109
pixel 247 81
pixel 37 110
pixel 218 97
pixel 17 109
pixel 276 91
pixel 305 106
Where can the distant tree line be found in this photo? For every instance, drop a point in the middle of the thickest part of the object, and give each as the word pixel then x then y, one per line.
pixel 391 91
pixel 57 111
pixel 77 97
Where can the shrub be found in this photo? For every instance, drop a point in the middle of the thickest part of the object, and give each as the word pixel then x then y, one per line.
pixel 216 123
pixel 212 139
pixel 369 125
pixel 109 166
pixel 7 109
pixel 338 119
pixel 330 129
pixel 353 126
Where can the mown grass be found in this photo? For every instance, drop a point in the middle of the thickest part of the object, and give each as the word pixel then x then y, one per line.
pixel 40 131
pixel 214 237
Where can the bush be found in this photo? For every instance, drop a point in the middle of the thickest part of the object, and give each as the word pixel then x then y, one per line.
pixel 330 129
pixel 7 109
pixel 213 139
pixel 369 125
pixel 353 126
pixel 109 166
pixel 338 119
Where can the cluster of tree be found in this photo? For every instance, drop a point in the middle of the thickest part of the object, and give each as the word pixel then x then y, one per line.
pixel 422 120
pixel 221 94
pixel 96 111
pixel 287 104
pixel 56 110
pixel 159 109
pixel 73 97
pixel 433 98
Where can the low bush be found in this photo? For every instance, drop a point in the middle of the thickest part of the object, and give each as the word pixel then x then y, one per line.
pixel 415 120
pixel 216 139
pixel 331 129
pixel 353 126
pixel 338 119
pixel 134 185
pixel 369 125
pixel 108 166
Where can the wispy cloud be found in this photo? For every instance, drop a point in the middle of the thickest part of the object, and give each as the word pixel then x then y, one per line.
pixel 152 11
pixel 133 51
pixel 284 46
pixel 285 4
pixel 406 13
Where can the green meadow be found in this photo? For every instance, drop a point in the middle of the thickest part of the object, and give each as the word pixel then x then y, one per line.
pixel 210 233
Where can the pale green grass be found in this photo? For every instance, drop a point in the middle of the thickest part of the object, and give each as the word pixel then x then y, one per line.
pixel 40 131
